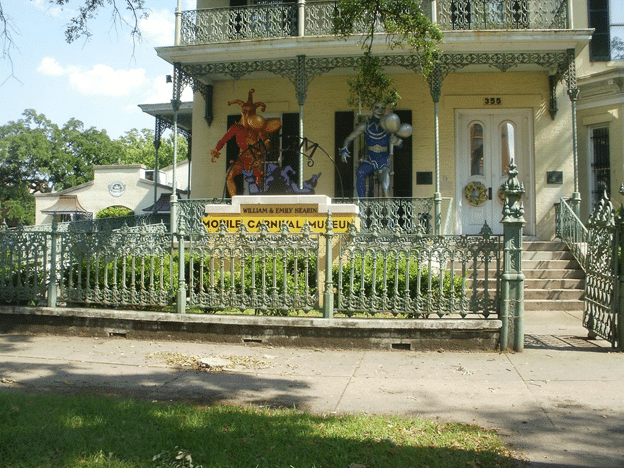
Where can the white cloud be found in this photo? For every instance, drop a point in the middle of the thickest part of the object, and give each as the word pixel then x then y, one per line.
pixel 103 80
pixel 53 11
pixel 99 80
pixel 158 28
pixel 49 66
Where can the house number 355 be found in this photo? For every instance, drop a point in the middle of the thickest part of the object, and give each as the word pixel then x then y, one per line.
pixel 493 101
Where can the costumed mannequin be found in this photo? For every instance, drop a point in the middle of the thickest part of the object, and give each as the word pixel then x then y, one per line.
pixel 252 134
pixel 381 132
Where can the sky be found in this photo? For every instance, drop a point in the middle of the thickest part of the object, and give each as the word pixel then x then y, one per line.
pixel 100 82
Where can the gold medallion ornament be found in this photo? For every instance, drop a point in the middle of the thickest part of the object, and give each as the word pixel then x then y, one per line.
pixel 476 193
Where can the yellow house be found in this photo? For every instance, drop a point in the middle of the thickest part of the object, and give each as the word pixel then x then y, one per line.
pixel 506 86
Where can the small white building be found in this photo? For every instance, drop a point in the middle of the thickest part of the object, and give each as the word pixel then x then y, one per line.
pixel 129 186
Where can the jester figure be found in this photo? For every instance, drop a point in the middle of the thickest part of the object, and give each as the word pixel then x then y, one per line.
pixel 381 132
pixel 252 133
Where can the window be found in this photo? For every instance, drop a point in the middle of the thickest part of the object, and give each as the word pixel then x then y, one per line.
pixel 507 146
pixel 476 149
pixel 600 166
pixel 608 21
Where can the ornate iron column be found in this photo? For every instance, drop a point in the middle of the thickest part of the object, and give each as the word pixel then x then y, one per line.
pixel 328 294
pixel 512 307
pixel 53 284
pixel 573 93
pixel 435 84
pixel 175 103
pixel 301 86
pixel 158 130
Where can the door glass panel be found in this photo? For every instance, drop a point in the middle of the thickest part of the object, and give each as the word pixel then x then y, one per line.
pixel 507 145
pixel 476 149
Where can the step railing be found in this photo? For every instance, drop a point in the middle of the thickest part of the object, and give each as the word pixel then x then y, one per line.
pixel 571 230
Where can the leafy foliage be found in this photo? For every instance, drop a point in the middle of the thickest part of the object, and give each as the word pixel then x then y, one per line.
pixel 138 148
pixel 114 212
pixel 404 23
pixel 37 155
pixel 617 49
pixel 364 275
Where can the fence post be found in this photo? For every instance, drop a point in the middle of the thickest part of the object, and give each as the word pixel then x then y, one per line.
pixel 181 297
pixel 52 285
pixel 328 295
pixel 619 276
pixel 512 333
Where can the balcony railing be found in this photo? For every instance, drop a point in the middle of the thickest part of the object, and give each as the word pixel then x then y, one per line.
pixel 281 20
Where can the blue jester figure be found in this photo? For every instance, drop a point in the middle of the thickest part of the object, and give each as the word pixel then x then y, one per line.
pixel 381 132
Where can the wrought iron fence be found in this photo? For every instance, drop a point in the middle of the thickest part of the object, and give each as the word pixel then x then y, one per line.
pixel 502 14
pixel 278 20
pixel 418 276
pixel 372 272
pixel 24 265
pixel 598 248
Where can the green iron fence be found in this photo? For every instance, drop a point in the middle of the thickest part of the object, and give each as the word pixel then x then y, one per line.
pixel 389 267
pixel 383 270
pixel 598 248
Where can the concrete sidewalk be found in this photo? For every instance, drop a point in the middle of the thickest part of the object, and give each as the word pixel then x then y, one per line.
pixel 560 403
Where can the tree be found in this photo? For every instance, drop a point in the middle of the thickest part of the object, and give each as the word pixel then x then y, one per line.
pixel 617 49
pixel 404 23
pixel 138 148
pixel 37 155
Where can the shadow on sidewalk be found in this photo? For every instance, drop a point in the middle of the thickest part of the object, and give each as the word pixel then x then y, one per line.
pixel 566 343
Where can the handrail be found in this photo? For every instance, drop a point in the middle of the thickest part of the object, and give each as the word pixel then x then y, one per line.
pixel 571 230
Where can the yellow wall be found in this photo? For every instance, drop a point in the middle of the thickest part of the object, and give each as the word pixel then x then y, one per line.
pixel 552 147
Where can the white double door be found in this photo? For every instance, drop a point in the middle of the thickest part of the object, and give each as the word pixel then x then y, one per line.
pixel 486 142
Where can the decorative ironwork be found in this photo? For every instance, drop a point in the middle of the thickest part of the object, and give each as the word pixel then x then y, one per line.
pixel 278 20
pixel 571 230
pixel 502 14
pixel 23 265
pixel 238 23
pixel 261 271
pixel 416 275
pixel 601 273
pixel 391 265
pixel 126 267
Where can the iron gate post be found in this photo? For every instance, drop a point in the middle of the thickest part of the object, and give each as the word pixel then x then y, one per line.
pixel 512 334
pixel 619 275
pixel 181 296
pixel 52 285
pixel 328 294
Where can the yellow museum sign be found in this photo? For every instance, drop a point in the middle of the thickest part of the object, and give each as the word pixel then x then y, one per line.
pixel 295 215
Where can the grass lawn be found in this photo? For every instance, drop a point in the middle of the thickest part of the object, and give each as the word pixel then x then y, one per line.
pixel 51 430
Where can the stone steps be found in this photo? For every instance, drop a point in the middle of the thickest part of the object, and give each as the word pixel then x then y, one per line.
pixel 553 278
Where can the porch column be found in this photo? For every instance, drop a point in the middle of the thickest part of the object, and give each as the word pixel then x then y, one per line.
pixel 178 79
pixel 435 84
pixel 573 93
pixel 301 86
pixel 434 11
pixel 301 18
pixel 175 104
pixel 178 24
pixel 157 138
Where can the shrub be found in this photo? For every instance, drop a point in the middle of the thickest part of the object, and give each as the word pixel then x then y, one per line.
pixel 114 212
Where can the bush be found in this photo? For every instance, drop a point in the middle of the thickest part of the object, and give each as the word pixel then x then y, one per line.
pixel 114 212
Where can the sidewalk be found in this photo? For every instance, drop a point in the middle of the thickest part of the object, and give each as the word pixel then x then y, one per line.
pixel 560 403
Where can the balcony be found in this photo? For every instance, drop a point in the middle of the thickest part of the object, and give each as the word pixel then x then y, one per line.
pixel 314 19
